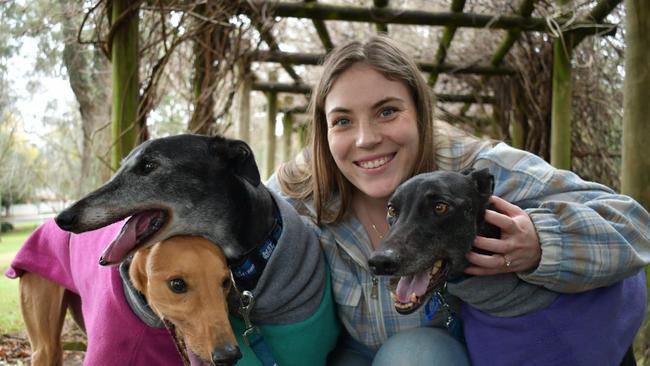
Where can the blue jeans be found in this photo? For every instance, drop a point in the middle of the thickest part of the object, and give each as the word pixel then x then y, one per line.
pixel 414 347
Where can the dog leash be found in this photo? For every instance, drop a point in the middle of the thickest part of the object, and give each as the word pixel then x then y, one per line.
pixel 252 334
pixel 452 322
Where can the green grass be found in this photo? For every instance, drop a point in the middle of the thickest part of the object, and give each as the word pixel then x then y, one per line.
pixel 10 318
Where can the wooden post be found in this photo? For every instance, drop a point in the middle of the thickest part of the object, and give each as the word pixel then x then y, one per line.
pixel 561 101
pixel 124 58
pixel 287 123
pixel 245 102
pixel 272 99
pixel 635 171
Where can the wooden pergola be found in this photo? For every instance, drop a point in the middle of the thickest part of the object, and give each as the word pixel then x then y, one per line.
pixel 636 166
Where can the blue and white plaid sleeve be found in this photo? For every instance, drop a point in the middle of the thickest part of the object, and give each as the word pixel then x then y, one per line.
pixel 590 236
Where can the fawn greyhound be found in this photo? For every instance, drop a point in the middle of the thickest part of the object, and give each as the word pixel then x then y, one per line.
pixel 209 187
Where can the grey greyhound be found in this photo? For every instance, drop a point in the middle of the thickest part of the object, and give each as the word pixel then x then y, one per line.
pixel 210 187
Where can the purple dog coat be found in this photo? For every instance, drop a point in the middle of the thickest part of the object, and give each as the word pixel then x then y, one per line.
pixel 116 336
pixel 590 328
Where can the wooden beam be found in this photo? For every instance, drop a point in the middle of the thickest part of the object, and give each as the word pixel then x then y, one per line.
pixel 244 99
pixel 635 170
pixel 415 17
pixel 316 59
pixel 382 27
pixel 525 10
pixel 598 15
pixel 306 89
pixel 272 112
pixel 561 110
pixel 321 30
pixel 445 42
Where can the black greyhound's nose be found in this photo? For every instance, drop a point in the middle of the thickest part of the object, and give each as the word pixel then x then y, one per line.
pixel 226 355
pixel 66 220
pixel 383 263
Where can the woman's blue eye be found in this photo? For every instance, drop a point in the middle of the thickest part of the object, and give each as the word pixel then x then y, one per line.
pixel 341 122
pixel 387 112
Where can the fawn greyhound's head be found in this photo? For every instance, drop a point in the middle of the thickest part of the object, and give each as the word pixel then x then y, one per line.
pixel 179 277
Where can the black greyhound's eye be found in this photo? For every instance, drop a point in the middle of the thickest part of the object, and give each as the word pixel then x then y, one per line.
pixel 147 166
pixel 177 285
pixel 226 284
pixel 441 208
pixel 392 212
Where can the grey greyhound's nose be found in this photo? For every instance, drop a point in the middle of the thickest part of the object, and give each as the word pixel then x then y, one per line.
pixel 383 263
pixel 226 355
pixel 66 220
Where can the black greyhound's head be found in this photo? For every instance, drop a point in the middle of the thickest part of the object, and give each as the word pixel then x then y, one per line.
pixel 179 185
pixel 434 219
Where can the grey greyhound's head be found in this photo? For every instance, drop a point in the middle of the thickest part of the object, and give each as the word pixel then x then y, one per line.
pixel 434 219
pixel 185 184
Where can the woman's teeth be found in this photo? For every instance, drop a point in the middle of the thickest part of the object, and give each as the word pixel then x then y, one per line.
pixel 374 163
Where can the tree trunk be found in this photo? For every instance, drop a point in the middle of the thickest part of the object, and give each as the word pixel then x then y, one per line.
pixel 124 56
pixel 635 172
pixel 88 74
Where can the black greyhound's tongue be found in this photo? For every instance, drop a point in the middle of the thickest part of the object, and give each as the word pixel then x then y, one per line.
pixel 408 285
pixel 127 239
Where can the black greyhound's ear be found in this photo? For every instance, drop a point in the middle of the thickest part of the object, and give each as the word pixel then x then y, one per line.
pixel 484 181
pixel 239 158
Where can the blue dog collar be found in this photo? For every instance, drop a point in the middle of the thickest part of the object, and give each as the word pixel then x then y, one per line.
pixel 248 269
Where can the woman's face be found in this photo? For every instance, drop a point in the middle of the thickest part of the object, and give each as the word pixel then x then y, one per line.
pixel 372 130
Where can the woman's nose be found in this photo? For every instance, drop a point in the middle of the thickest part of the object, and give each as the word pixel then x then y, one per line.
pixel 368 135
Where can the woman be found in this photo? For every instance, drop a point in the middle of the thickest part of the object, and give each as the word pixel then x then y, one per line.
pixel 372 128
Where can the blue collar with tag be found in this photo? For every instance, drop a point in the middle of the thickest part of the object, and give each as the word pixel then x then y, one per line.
pixel 248 269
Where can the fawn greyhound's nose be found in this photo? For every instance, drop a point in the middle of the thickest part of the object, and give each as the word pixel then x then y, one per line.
pixel 226 355
pixel 383 262
pixel 66 220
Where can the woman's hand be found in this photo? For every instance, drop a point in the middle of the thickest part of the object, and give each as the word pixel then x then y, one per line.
pixel 518 250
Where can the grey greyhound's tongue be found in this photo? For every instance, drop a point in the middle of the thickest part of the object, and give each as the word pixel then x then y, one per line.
pixel 127 239
pixel 408 285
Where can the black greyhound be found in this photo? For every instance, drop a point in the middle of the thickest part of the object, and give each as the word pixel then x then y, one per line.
pixel 434 219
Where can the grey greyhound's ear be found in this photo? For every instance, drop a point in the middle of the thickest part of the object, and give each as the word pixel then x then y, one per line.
pixel 241 159
pixel 484 181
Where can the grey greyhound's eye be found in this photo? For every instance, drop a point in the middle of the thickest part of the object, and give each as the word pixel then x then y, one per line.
pixel 440 208
pixel 177 285
pixel 147 166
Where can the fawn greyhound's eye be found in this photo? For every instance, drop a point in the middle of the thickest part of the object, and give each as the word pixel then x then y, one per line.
pixel 177 285
pixel 440 208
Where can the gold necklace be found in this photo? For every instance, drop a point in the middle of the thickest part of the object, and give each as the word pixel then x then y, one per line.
pixel 377 231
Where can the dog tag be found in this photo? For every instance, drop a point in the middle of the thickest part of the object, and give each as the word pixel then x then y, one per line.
pixel 431 307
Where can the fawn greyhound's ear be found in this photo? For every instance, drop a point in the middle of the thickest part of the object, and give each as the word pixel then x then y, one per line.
pixel 240 158
pixel 484 181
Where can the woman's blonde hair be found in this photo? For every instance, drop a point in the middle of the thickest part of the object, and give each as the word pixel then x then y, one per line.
pixel 316 175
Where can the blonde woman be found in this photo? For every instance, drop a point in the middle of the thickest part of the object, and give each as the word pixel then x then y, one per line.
pixel 372 128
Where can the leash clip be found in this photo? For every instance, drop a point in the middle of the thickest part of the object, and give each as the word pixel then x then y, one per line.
pixel 247 301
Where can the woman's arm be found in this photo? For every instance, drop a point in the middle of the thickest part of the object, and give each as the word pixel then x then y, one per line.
pixel 589 235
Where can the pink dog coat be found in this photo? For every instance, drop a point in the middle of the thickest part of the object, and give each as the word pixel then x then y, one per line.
pixel 116 336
